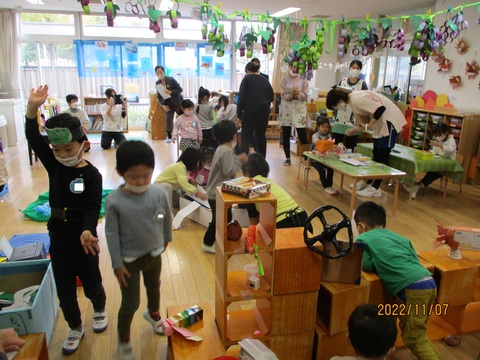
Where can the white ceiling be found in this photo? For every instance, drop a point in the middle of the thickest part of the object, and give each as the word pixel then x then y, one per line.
pixel 329 9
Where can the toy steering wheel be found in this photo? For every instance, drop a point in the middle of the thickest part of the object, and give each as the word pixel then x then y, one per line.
pixel 329 232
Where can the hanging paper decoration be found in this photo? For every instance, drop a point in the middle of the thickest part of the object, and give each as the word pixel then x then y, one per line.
pixel 85 6
pixel 343 43
pixel 246 41
pixel 268 40
pixel 462 46
pixel 111 12
pixel 174 14
pixel 472 69
pixel 153 16
pixel 455 81
pixel 426 40
pixel 444 64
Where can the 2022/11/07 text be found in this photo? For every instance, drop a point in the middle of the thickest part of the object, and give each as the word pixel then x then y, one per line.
pixel 414 309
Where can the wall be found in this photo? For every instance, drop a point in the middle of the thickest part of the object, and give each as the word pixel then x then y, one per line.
pixel 466 97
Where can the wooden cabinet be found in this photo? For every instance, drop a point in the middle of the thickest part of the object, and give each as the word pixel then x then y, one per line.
pixel 241 311
pixel 465 128
pixel 156 115
pixel 476 174
pixel 92 107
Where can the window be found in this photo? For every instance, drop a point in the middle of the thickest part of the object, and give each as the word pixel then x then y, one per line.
pixel 126 27
pixel 47 24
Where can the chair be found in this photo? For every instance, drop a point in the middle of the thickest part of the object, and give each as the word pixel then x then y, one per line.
pixel 305 162
pixel 443 186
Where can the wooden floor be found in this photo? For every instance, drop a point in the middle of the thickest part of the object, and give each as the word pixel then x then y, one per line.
pixel 187 273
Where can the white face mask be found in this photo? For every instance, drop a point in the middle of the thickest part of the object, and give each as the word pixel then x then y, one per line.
pixel 341 106
pixel 136 189
pixel 188 112
pixel 292 73
pixel 75 105
pixel 71 161
pixel 354 73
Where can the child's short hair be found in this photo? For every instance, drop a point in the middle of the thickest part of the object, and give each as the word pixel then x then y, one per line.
pixel 187 103
pixel 133 153
pixel 323 119
pixel 224 131
pixel 257 165
pixel 71 97
pixel 372 214
pixel 192 159
pixel 64 128
pixel 207 154
pixel 336 95
pixel 371 334
pixel 440 129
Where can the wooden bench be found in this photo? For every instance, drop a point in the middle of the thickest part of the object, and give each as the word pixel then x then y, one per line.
pixel 35 347
pixel 210 347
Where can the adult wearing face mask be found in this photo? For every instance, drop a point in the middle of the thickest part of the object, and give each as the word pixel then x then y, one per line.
pixel 172 100
pixel 293 110
pixel 345 118
pixel 375 112
pixel 113 115
pixel 253 109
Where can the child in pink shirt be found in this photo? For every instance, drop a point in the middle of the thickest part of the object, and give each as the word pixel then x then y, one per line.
pixel 188 127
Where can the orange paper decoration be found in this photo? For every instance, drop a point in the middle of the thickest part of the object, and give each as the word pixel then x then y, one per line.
pixel 414 103
pixel 430 104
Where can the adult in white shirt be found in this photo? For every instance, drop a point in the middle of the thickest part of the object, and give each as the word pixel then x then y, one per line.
pixel 113 115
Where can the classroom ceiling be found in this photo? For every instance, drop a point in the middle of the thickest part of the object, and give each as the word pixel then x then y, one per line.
pixel 327 9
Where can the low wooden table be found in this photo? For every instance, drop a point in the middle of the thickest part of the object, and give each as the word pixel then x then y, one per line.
pixel 35 347
pixel 372 171
pixel 210 347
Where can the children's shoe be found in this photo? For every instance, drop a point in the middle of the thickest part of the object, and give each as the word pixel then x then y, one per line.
pixel 125 351
pixel 414 191
pixel 156 324
pixel 100 321
pixel 73 341
pixel 360 185
pixel 287 162
pixel 370 191
pixel 168 141
pixel 208 249
pixel 331 191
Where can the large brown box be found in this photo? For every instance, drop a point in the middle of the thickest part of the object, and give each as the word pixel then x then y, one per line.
pixel 378 293
pixel 455 278
pixel 347 269
pixel 297 268
pixel 337 301
pixel 326 346
pixel 464 318
pixel 294 313
pixel 298 346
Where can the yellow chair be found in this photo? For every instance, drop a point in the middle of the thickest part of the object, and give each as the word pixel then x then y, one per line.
pixel 443 186
pixel 305 162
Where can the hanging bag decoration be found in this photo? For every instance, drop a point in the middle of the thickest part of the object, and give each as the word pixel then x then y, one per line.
pixel 329 233
pixel 234 230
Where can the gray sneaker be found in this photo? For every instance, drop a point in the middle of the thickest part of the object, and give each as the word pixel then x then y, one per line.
pixel 287 162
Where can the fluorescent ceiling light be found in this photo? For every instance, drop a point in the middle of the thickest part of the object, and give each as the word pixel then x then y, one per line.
pixel 36 2
pixel 285 11
pixel 166 5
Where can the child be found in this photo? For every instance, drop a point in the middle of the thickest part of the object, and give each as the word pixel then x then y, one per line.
pixel 225 166
pixel 75 199
pixel 289 214
pixel 175 176
pixel 113 115
pixel 75 110
pixel 444 145
pixel 226 111
pixel 396 263
pixel 206 116
pixel 188 127
pixel 371 335
pixel 201 176
pixel 326 173
pixel 138 228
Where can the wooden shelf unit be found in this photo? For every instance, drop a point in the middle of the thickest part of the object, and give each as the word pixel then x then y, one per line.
pixel 92 107
pixel 465 128
pixel 240 311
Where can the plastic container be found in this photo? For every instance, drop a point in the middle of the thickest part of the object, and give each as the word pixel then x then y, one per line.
pixel 455 132
pixel 418 134
pixel 251 270
pixel 436 118
pixel 421 116
pixel 423 155
pixel 420 126
pixel 456 121
pixel 416 143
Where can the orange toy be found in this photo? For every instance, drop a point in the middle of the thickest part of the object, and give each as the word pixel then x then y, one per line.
pixel 251 238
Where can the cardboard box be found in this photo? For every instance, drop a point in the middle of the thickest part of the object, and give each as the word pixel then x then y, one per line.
pixel 246 187
pixel 345 270
pixel 32 251
pixel 41 315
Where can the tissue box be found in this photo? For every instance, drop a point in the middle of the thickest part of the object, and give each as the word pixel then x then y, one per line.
pixel 183 319
pixel 246 187
pixel 253 349
pixel 41 315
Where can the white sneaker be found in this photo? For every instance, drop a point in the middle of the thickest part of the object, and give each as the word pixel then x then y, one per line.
pixel 208 249
pixel 125 351
pixel 287 162
pixel 100 321
pixel 156 325
pixel 360 185
pixel 73 341
pixel 370 191
pixel 414 191
pixel 331 191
